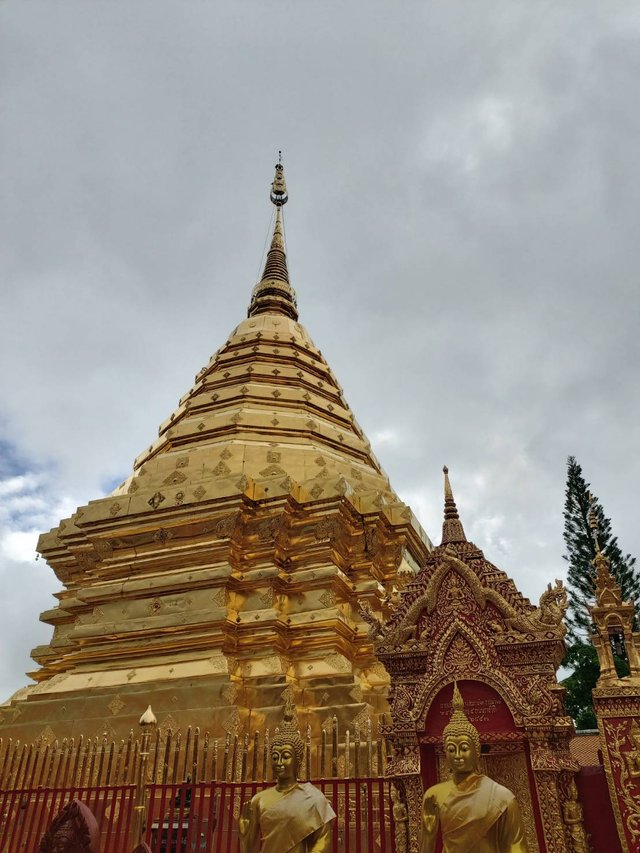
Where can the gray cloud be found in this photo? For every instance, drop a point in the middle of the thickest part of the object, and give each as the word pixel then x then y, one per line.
pixel 462 235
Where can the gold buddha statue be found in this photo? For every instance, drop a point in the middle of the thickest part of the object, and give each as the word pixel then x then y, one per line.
pixel 474 813
pixel 292 816
pixel 572 814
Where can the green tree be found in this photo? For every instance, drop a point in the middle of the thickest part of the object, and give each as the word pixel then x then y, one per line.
pixel 581 656
pixel 583 659
pixel 579 542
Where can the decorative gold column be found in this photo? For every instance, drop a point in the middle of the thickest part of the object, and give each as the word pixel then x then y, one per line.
pixel 617 700
pixel 147 723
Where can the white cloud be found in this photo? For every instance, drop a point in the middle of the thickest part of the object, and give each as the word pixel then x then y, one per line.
pixel 18 484
pixel 19 545
pixel 388 436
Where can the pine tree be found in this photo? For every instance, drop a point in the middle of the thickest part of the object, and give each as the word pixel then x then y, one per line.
pixel 582 658
pixel 581 551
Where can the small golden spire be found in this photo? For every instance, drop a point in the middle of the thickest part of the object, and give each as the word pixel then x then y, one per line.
pixel 606 585
pixel 278 193
pixel 593 521
pixel 273 294
pixel 452 529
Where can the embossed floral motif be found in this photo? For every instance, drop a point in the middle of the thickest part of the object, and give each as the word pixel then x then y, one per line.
pixel 156 500
pixel 174 479
pixel 268 597
pixel 461 657
pixel 326 528
pixel 328 598
pixel 116 705
pixel 622 749
pixel 267 529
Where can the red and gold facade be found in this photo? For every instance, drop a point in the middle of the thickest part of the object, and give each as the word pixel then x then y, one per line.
pixel 462 619
pixel 617 701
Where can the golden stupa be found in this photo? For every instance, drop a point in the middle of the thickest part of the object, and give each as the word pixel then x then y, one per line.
pixel 230 566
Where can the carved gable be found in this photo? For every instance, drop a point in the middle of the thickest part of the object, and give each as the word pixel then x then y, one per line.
pixel 462 617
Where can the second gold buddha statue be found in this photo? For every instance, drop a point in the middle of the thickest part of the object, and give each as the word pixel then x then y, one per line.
pixel 292 816
pixel 474 813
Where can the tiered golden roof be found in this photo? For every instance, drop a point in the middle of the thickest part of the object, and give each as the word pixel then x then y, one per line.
pixel 229 565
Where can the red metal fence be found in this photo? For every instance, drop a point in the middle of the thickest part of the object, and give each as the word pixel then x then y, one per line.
pixel 193 817
pixel 26 814
pixel 204 817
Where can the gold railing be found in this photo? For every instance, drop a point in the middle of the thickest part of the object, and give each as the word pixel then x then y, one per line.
pixel 172 757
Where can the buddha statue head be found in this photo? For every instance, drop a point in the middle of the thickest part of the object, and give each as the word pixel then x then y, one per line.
pixel 461 740
pixel 287 749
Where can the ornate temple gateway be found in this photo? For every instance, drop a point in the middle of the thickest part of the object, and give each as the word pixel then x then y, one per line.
pixel 230 564
pixel 463 619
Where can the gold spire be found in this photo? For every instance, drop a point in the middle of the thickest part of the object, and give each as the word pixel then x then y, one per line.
pixel 452 529
pixel 273 294
pixel 593 521
pixel 607 589
pixel 276 264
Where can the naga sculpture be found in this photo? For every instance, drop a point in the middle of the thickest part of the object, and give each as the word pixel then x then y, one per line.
pixel 74 830
pixel 548 616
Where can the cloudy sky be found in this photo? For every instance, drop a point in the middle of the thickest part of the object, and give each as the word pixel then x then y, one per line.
pixel 462 234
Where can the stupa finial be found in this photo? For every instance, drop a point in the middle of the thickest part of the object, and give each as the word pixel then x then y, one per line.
pixel 452 529
pixel 278 194
pixel 273 294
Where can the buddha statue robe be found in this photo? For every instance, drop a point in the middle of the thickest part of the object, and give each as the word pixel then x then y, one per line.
pixel 476 815
pixel 296 821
